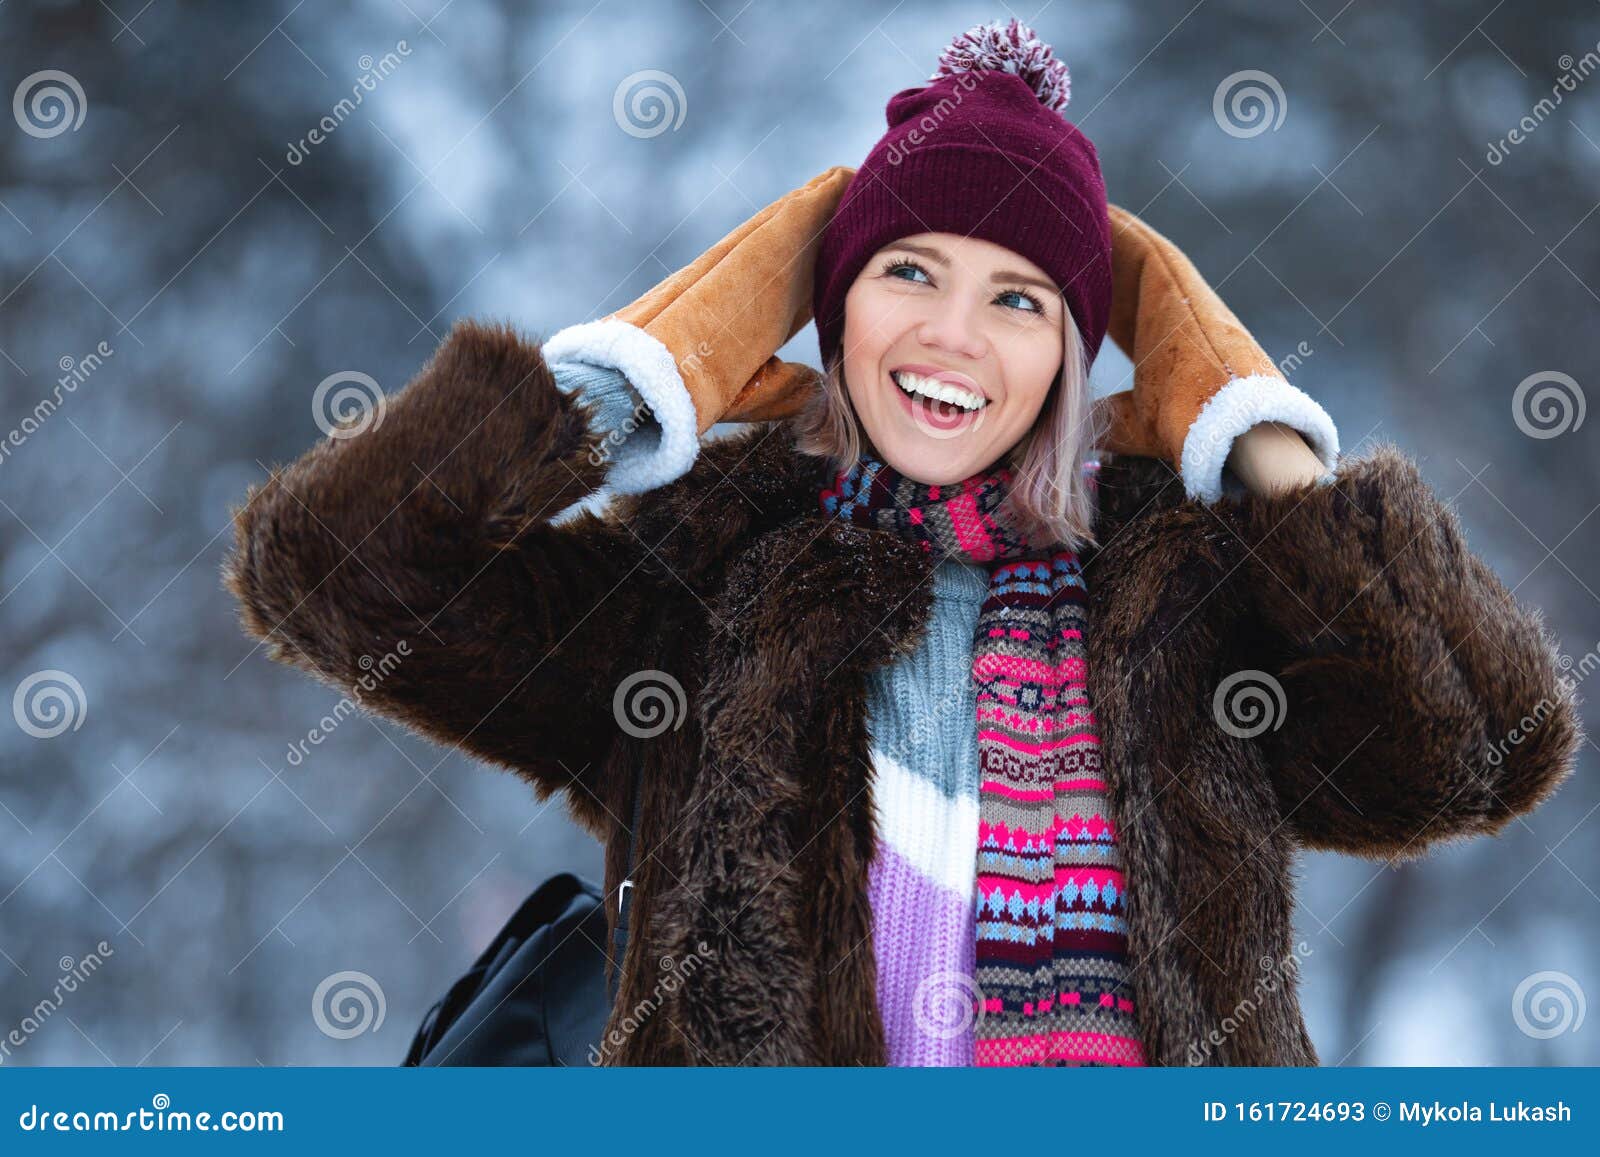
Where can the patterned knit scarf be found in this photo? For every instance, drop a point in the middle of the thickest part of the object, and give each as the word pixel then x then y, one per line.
pixel 1052 973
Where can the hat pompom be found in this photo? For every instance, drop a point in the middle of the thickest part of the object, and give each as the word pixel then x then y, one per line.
pixel 1009 48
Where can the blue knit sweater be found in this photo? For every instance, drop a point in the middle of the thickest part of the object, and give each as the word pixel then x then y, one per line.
pixel 922 719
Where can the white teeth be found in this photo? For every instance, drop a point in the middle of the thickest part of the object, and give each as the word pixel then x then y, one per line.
pixel 944 391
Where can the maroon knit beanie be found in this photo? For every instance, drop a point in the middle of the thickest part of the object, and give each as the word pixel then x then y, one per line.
pixel 983 152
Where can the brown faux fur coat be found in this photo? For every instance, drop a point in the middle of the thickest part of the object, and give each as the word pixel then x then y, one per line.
pixel 1404 664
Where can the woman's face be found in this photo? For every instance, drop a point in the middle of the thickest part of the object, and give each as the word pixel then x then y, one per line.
pixel 978 324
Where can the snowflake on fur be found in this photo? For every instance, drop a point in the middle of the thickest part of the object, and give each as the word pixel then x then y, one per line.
pixel 1009 48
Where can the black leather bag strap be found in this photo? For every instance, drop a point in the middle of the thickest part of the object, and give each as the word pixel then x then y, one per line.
pixel 619 942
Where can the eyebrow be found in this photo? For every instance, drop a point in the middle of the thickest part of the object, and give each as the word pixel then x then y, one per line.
pixel 996 277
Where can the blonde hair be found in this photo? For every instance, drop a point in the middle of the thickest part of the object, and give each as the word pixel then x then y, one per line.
pixel 1050 499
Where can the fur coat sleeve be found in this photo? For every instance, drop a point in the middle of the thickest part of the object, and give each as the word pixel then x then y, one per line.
pixel 428 539
pixel 416 568
pixel 1416 700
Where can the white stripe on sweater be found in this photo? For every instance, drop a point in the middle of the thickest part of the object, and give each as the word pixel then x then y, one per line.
pixel 937 834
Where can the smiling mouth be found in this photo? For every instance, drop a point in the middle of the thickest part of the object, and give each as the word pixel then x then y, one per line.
pixel 926 406
pixel 941 397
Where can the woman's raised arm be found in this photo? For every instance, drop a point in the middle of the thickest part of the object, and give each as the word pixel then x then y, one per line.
pixel 414 564
pixel 1420 701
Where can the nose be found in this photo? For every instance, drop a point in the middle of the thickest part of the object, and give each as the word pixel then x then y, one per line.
pixel 952 326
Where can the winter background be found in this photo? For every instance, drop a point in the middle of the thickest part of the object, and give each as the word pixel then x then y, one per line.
pixel 175 250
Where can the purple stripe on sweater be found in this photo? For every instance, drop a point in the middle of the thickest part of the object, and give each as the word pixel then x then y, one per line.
pixel 926 947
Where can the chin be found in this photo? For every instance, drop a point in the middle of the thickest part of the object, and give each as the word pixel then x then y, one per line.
pixel 936 448
pixel 931 461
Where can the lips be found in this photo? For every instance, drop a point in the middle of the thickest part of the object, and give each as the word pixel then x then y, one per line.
pixel 936 418
pixel 954 377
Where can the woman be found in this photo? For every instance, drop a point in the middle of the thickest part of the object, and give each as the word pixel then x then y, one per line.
pixel 952 771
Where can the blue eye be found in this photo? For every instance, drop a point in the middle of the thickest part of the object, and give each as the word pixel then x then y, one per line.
pixel 894 265
pixel 1038 306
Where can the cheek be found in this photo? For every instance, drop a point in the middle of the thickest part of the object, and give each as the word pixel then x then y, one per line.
pixel 1031 375
pixel 867 317
pixel 866 335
